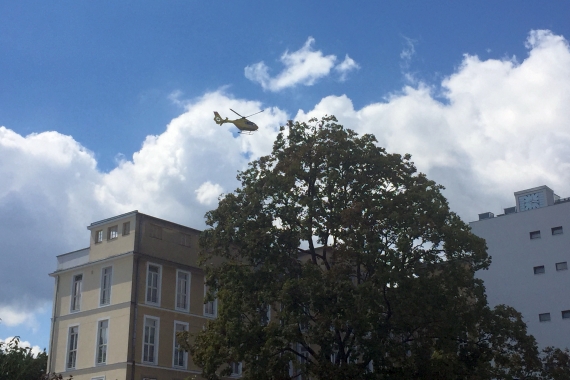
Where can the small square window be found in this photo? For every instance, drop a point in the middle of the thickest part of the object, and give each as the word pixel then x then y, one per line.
pixel 535 235
pixel 557 230
pixel 544 317
pixel 565 314
pixel 126 228
pixel 562 266
pixel 539 269
pixel 113 233
pixel 185 240
pixel 98 236
pixel 155 231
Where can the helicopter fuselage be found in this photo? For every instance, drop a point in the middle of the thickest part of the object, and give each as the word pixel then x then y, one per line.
pixel 242 124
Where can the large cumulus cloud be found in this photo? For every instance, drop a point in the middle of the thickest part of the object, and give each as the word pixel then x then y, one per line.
pixel 490 128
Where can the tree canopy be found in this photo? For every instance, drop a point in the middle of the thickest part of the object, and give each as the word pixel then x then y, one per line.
pixel 19 363
pixel 341 261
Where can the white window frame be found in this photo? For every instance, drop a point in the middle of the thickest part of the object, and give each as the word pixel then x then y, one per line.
pixel 75 299
pixel 98 236
pixel 187 290
pixel 156 339
pixel 159 283
pixel 176 346
pixel 68 349
pixel 106 344
pixel 214 305
pixel 109 283
pixel 113 232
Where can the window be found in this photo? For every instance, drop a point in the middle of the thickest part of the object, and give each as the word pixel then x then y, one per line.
pixel 236 369
pixel 153 284
pixel 102 337
pixel 98 236
pixel 565 314
pixel 562 266
pixel 210 307
pixel 150 340
pixel 180 356
pixel 265 315
pixel 112 232
pixel 185 240
pixel 557 230
pixel 126 228
pixel 155 231
pixel 182 290
pixel 334 356
pixel 302 359
pixel 304 323
pixel 76 292
pixel 545 317
pixel 73 335
pixel 106 278
pixel 539 269
pixel 535 235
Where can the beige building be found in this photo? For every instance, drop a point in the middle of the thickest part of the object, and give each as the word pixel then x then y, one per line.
pixel 119 303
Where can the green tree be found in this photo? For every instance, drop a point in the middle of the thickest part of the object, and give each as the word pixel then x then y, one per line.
pixel 555 363
pixel 19 363
pixel 366 272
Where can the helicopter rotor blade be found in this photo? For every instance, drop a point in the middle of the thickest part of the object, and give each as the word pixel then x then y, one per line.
pixel 235 112
pixel 255 113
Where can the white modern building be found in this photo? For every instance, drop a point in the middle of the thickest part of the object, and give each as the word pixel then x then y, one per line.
pixel 530 249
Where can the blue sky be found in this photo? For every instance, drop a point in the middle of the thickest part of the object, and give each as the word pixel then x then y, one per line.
pixel 106 107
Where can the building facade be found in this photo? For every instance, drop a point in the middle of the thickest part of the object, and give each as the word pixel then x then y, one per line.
pixel 119 303
pixel 530 249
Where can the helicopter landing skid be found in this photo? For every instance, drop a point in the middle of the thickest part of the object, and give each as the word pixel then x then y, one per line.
pixel 248 133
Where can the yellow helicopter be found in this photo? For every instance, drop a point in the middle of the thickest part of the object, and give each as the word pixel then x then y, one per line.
pixel 245 126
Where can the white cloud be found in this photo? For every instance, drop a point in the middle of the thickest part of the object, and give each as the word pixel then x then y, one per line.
pixel 346 66
pixel 304 66
pixel 406 56
pixel 502 126
pixel 208 193
pixel 175 98
pixel 51 189
pixel 21 315
pixel 408 51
